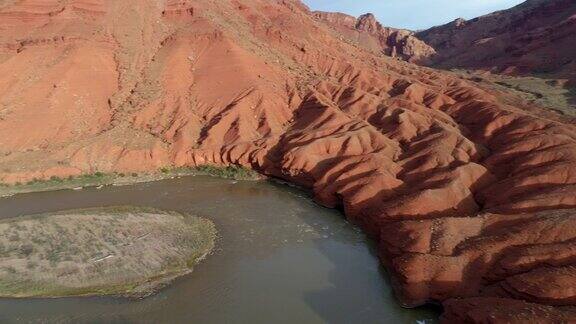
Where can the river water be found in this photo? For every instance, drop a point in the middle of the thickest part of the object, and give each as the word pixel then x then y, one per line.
pixel 280 258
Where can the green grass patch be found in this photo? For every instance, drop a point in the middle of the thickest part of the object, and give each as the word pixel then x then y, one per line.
pixel 100 178
pixel 230 172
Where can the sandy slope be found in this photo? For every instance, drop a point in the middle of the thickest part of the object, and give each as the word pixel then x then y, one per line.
pixel 469 194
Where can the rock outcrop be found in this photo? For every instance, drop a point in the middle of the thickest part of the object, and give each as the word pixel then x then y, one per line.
pixel 470 195
pixel 536 36
pixel 369 33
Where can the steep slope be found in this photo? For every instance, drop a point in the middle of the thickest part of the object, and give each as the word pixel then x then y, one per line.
pixel 536 36
pixel 369 33
pixel 470 195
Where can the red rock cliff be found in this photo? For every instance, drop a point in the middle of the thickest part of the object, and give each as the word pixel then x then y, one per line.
pixel 369 33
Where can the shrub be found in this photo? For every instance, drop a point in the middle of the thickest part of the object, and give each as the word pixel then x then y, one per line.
pixel 230 172
pixel 10 269
pixel 55 179
pixel 26 250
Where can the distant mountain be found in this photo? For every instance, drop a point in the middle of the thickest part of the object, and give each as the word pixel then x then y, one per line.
pixel 535 37
pixel 371 34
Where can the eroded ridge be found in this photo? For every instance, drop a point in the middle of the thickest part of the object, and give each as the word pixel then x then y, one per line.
pixel 466 192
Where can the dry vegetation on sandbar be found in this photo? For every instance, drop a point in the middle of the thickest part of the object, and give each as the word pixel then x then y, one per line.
pixel 101 251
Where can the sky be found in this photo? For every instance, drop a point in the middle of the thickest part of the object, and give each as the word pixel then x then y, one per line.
pixel 414 14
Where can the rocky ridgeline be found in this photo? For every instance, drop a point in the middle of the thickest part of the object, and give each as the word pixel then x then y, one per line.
pixel 536 36
pixel 368 32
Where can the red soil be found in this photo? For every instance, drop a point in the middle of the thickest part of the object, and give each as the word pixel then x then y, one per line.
pixel 471 200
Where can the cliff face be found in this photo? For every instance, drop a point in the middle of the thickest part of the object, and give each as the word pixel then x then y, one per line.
pixel 535 37
pixel 469 194
pixel 369 33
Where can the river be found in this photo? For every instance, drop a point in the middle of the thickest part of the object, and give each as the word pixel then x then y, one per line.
pixel 280 258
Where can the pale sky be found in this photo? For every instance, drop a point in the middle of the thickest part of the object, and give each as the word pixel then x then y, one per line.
pixel 414 14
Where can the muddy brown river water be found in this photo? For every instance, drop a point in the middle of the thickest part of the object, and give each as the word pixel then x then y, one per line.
pixel 280 258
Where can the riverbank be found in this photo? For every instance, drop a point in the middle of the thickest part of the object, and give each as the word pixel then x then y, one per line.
pixel 121 251
pixel 99 179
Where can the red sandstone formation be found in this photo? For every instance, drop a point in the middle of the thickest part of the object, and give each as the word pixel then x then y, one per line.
pixel 369 33
pixel 536 36
pixel 471 198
